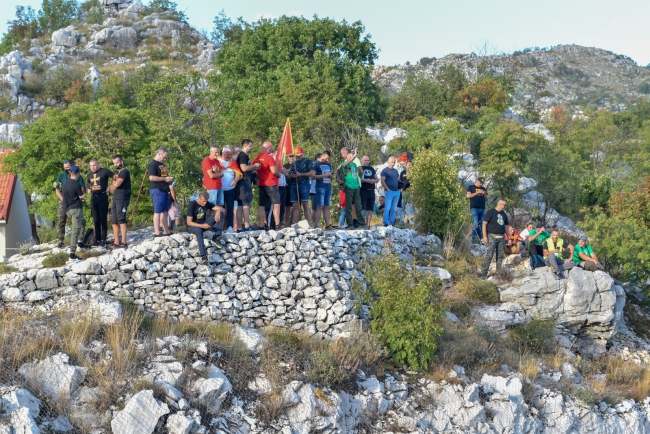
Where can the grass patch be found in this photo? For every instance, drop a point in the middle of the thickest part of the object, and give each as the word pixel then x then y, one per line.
pixel 535 336
pixel 5 268
pixel 477 290
pixel 85 254
pixel 55 260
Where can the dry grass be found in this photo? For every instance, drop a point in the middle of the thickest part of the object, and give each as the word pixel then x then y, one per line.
pixel 623 379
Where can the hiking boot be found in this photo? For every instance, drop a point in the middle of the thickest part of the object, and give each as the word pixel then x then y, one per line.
pixel 74 257
pixel 561 275
pixel 82 245
pixel 60 245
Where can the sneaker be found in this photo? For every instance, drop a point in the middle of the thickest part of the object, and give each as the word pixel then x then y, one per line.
pixel 74 257
pixel 82 245
pixel 216 244
pixel 97 243
pixel 561 275
pixel 204 260
pixel 330 228
pixel 60 245
pixel 230 230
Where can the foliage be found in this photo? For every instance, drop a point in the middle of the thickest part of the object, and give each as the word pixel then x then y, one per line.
pixel 620 235
pixel 478 290
pixel 504 155
pixel 446 136
pixel 79 133
pixel 437 194
pixel 488 92
pixel 535 336
pixel 54 260
pixel 225 29
pixel 405 313
pixel 167 5
pixel 317 72
pixel 60 80
pixel 56 14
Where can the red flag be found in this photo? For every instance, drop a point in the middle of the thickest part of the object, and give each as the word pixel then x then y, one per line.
pixel 285 147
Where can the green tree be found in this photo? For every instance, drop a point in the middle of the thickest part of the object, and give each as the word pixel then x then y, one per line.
pixel 406 311
pixel 437 194
pixel 316 72
pixel 81 132
pixel 56 14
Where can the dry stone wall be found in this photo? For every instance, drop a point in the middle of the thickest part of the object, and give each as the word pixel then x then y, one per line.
pixel 296 278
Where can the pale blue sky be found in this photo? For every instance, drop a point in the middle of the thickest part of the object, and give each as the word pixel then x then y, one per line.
pixel 406 30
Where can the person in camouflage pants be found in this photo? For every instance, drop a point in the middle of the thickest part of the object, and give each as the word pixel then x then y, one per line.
pixel 495 226
pixel 495 246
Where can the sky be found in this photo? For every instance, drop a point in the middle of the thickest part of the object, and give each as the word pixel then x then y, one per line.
pixel 407 30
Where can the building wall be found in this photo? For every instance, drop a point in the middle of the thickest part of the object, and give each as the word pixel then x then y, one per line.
pixel 18 229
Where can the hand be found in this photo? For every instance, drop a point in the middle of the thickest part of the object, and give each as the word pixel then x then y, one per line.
pixel 215 168
pixel 485 240
pixel 169 179
pixel 257 166
pixel 205 226
pixel 234 182
pixel 566 261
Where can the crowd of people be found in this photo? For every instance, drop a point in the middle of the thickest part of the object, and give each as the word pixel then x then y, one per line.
pixel 299 190
pixel 545 249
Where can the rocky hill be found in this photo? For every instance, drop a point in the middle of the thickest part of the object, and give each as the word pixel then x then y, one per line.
pixel 569 75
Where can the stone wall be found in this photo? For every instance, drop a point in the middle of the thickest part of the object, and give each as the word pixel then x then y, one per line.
pixel 300 279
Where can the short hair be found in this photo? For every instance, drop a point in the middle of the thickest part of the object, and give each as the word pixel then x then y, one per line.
pixel 95 160
pixel 226 148
pixel 246 142
pixel 555 230
pixel 214 147
pixel 67 162
pixel 329 154
pixel 117 156
pixel 204 194
pixel 236 149
pixel 318 155
pixel 501 199
pixel 345 149
pixel 530 224
pixel 162 150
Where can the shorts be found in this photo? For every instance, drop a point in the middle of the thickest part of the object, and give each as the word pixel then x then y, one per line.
pixel 118 211
pixel 160 200
pixel 216 196
pixel 244 193
pixel 303 189
pixel 269 194
pixel 367 200
pixel 323 196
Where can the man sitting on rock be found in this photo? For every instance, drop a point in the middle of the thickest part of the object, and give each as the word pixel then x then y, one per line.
pixel 203 216
pixel 584 256
pixel 535 241
pixel 553 248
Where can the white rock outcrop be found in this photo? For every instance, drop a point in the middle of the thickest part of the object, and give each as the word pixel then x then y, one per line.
pixel 140 414
pixel 54 376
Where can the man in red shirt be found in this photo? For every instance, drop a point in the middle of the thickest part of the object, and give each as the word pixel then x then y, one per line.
pixel 212 176
pixel 269 177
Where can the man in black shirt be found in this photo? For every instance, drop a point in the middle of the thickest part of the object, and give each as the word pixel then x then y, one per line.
pixel 97 186
pixel 60 180
pixel 495 226
pixel 476 194
pixel 121 188
pixel 72 194
pixel 244 187
pixel 203 216
pixel 368 181
pixel 159 183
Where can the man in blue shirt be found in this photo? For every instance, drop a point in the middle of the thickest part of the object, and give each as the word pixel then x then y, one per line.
pixel 389 180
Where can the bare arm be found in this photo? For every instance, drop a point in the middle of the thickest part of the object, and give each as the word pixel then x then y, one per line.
pixel 485 237
pixel 274 170
pixel 192 223
pixel 307 174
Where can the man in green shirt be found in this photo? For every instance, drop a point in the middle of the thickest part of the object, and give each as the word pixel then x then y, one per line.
pixel 58 184
pixel 584 256
pixel 351 166
pixel 535 242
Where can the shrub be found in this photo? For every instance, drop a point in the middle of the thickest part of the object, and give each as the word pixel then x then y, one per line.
pixel 405 311
pixel 437 194
pixel 324 369
pixel 535 336
pixel 54 260
pixel 6 268
pixel 475 289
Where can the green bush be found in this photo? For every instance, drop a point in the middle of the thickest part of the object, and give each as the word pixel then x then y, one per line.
pixel 535 336
pixel 54 260
pixel 437 194
pixel 406 311
pixel 475 289
pixel 324 369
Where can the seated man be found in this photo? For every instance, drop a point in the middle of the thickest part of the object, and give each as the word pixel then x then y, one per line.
pixel 553 248
pixel 535 243
pixel 584 256
pixel 201 219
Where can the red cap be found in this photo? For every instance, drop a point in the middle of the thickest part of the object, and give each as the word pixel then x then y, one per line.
pixel 298 151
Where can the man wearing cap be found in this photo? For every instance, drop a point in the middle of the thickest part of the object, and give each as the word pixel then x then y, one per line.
pixel 301 170
pixel 495 226
pixel 58 184
pixel 553 251
pixel 476 194
pixel 584 256
pixel 72 196
pixel 269 178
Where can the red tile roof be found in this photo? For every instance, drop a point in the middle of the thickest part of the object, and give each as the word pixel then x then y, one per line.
pixel 7 187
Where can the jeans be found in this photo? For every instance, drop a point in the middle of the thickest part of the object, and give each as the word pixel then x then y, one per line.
pixel 303 189
pixel 229 203
pixel 99 211
pixel 216 196
pixel 390 210
pixel 60 223
pixel 342 218
pixel 76 217
pixel 283 206
pixel 352 198
pixel 477 219
pixel 495 246
pixel 199 232
pixel 323 196
pixel 552 261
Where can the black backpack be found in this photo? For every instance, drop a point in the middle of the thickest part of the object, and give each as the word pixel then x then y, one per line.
pixel 89 237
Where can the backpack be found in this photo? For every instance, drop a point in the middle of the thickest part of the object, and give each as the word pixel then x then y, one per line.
pixel 340 175
pixel 89 237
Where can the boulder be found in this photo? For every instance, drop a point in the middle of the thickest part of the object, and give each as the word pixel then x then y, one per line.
pixel 92 304
pixel 46 279
pixel 12 294
pixel 212 391
pixel 94 77
pixel 38 296
pixel 179 424
pixel 89 266
pixel 124 37
pixel 64 38
pixel 140 414
pixel 53 376
pixel 252 339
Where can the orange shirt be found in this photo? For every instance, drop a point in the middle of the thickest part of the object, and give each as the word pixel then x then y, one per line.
pixel 208 182
pixel 266 177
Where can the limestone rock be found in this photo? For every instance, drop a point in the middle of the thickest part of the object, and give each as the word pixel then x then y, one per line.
pixel 92 304
pixel 65 37
pixel 140 414
pixel 89 266
pixel 179 424
pixel 12 294
pixel 54 376
pixel 252 339
pixel 46 279
pixel 212 391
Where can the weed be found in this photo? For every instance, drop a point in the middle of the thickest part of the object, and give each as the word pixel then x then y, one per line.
pixel 535 336
pixel 85 254
pixel 323 369
pixel 269 408
pixel 478 290
pixel 6 268
pixel 55 260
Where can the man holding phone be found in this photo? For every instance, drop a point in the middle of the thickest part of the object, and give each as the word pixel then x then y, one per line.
pixel 159 182
pixel 476 194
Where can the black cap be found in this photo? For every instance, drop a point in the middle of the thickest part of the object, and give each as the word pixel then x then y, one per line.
pixel 481 180
pixel 539 225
